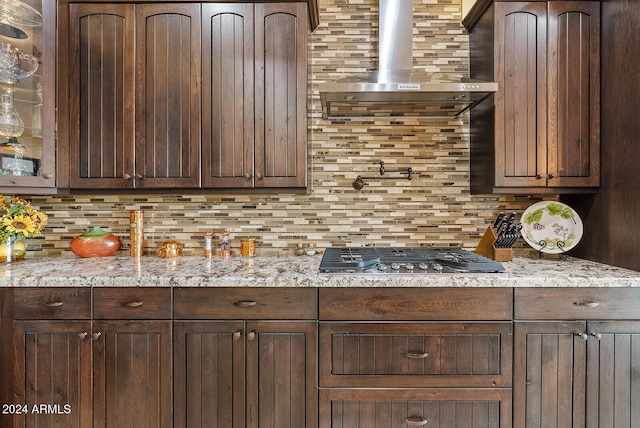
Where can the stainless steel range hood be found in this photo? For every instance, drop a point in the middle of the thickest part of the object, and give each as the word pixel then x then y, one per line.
pixel 396 90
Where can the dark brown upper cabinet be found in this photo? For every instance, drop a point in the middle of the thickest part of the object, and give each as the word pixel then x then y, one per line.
pixel 541 133
pixel 254 127
pixel 185 95
pixel 27 90
pixel 134 105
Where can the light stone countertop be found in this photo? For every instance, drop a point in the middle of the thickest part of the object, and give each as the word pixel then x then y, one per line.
pixel 301 271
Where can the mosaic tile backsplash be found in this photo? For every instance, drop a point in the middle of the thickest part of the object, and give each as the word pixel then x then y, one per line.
pixel 434 208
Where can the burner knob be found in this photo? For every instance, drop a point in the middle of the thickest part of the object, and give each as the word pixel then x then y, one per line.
pixel 423 266
pixel 395 266
pixel 437 267
pixel 381 266
pixel 409 266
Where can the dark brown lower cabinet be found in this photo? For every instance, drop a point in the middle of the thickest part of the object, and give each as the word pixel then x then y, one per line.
pixel 232 374
pixel 577 374
pixel 440 408
pixel 433 357
pixel 70 370
pixel 576 357
pixel 245 357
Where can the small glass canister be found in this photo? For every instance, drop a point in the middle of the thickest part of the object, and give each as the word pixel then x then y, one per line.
pixel 248 247
pixel 208 244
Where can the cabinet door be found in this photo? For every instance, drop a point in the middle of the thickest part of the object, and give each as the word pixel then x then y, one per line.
pixel 280 94
pixel 574 93
pixel 281 374
pixel 101 95
pixel 53 360
pixel 209 374
pixel 132 374
pixel 520 103
pixel 227 95
pixel 613 374
pixel 549 374
pixel 167 95
pixel 28 151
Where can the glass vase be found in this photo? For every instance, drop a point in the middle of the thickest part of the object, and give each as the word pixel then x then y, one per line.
pixel 13 249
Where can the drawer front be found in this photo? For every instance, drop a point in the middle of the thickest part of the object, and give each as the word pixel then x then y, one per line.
pixel 131 303
pixel 52 303
pixel 245 303
pixel 577 303
pixel 456 303
pixel 423 354
pixel 484 408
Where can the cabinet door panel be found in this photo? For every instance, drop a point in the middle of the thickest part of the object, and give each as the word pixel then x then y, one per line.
pixel 281 375
pixel 54 365
pixel 440 407
pixel 227 92
pixel 101 95
pixel 132 374
pixel 168 95
pixel 280 94
pixel 520 105
pixel 415 354
pixel 549 374
pixel 574 93
pixel 613 389
pixel 209 374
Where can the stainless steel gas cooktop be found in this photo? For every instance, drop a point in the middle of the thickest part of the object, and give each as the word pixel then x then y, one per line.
pixel 419 260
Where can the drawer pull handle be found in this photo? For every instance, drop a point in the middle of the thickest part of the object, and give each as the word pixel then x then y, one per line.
pixel 251 335
pixel 83 335
pixel 53 304
pixel 96 335
pixel 245 303
pixel 417 355
pixel 587 304
pixel 135 304
pixel 415 422
pixel 237 335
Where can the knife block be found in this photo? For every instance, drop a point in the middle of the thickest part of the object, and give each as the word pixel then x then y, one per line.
pixel 485 247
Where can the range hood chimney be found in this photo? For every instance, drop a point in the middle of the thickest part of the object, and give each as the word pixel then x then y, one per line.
pixel 396 90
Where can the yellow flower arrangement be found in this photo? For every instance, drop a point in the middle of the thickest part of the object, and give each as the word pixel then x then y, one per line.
pixel 19 219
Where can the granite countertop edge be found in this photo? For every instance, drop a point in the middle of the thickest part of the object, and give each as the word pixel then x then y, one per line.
pixel 301 271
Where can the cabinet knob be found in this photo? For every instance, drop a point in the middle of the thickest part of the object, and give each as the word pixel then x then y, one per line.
pixel 135 304
pixel 126 177
pixel 47 175
pixel 139 176
pixel 83 335
pixel 259 176
pixel 245 303
pixel 417 355
pixel 583 336
pixel 53 304
pixel 551 176
pixel 539 177
pixel 586 303
pixel 96 335
pixel 596 335
pixel 237 335
pixel 251 335
pixel 247 176
pixel 415 422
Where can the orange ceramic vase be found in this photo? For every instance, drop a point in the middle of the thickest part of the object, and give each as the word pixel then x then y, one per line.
pixel 95 243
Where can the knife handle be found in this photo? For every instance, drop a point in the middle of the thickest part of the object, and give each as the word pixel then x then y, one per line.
pixel 499 218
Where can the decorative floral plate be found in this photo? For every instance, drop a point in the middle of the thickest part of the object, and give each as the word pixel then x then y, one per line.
pixel 551 227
